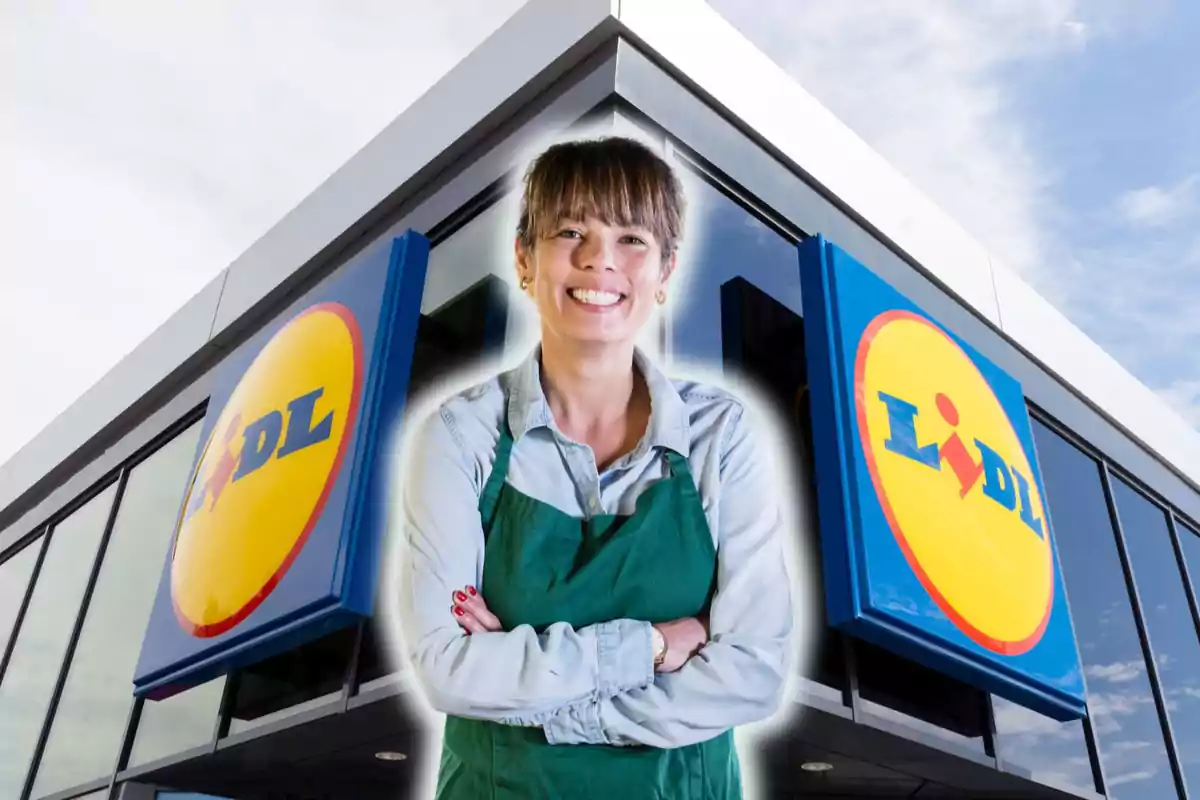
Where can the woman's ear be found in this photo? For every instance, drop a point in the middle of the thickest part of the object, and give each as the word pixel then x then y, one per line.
pixel 668 269
pixel 523 264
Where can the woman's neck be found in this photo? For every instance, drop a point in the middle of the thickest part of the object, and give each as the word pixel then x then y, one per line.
pixel 590 389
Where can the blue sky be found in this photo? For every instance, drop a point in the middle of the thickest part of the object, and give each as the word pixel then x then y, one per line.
pixel 1063 134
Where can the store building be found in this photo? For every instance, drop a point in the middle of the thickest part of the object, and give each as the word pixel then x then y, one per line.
pixel 87 509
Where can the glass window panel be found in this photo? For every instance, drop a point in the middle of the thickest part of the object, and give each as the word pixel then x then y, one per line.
pixel 1168 618
pixel 45 632
pixel 1189 543
pixel 464 319
pixel 467 294
pixel 1053 752
pixel 89 723
pixel 178 723
pixel 289 683
pixel 724 242
pixel 744 275
pixel 14 581
pixel 1119 697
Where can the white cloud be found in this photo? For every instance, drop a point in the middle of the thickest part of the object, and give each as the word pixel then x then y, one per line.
pixel 1120 672
pixel 1158 206
pixel 924 84
pixel 144 148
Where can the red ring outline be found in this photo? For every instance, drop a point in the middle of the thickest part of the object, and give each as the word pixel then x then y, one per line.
pixel 1000 646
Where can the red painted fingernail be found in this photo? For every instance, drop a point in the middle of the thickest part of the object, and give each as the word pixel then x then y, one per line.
pixel 471 589
pixel 459 611
pixel 460 597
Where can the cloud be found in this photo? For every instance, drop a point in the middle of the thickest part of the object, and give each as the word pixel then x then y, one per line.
pixel 1119 672
pixel 1130 777
pixel 1158 206
pixel 925 85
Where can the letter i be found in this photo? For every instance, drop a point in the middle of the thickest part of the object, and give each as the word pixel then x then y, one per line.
pixel 955 452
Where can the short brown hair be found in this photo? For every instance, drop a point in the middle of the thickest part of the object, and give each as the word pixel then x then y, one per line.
pixel 618 180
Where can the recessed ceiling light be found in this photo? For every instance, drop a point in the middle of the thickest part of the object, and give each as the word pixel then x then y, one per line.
pixel 390 755
pixel 816 766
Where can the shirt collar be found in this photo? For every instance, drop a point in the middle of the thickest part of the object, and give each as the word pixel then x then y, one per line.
pixel 669 416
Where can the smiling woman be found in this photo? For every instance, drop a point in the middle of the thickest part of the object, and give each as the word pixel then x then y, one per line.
pixel 545 509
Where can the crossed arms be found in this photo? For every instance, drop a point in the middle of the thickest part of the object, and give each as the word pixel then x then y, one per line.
pixel 596 684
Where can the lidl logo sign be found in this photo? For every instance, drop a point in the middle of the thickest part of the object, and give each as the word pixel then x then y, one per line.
pixel 267 468
pixel 278 533
pixel 934 531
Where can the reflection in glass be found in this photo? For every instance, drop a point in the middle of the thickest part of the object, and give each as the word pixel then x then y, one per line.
pixel 292 682
pixel 14 580
pixel 724 242
pixel 178 723
pixel 44 635
pixel 1189 543
pixel 1120 701
pixel 89 723
pixel 1053 752
pixel 1168 618
pixel 735 307
pixel 464 321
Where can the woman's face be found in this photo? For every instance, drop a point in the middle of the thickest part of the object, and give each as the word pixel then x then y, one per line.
pixel 593 282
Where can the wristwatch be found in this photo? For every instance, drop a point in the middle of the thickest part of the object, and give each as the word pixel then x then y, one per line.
pixel 659 644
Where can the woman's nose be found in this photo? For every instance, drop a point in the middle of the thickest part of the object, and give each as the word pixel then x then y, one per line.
pixel 597 253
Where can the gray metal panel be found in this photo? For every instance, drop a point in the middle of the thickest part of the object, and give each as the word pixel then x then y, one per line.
pixel 719 142
pixel 76 436
pixel 442 125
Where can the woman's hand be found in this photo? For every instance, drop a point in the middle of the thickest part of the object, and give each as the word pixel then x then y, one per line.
pixel 472 613
pixel 684 639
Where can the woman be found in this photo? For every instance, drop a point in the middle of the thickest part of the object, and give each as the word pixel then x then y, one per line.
pixel 595 589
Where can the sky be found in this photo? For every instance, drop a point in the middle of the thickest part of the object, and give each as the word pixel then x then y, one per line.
pixel 145 146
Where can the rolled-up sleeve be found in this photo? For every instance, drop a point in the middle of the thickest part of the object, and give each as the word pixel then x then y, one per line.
pixel 517 677
pixel 740 676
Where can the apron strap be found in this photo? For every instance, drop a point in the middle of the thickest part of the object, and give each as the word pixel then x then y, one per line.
pixel 679 469
pixel 490 497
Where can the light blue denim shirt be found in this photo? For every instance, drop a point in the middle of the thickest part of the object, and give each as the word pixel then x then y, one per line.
pixel 595 684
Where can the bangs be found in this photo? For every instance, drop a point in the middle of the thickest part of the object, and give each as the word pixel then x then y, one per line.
pixel 618 181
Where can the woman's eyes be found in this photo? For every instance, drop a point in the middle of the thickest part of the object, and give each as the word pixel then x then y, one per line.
pixel 570 233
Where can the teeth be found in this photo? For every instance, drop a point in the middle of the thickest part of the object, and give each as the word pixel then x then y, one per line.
pixel 594 298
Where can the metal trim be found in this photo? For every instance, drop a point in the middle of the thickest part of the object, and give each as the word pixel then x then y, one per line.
pixel 1189 583
pixel 1135 599
pixel 25 600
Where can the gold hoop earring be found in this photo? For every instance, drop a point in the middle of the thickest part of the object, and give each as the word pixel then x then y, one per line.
pixel 661 297
pixel 524 283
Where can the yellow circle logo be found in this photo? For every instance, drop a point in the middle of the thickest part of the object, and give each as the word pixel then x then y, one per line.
pixel 266 470
pixel 954 482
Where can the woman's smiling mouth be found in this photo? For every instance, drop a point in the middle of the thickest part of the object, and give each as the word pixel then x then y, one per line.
pixel 595 297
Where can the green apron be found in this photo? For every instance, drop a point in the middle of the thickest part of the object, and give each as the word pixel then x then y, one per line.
pixel 542 566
